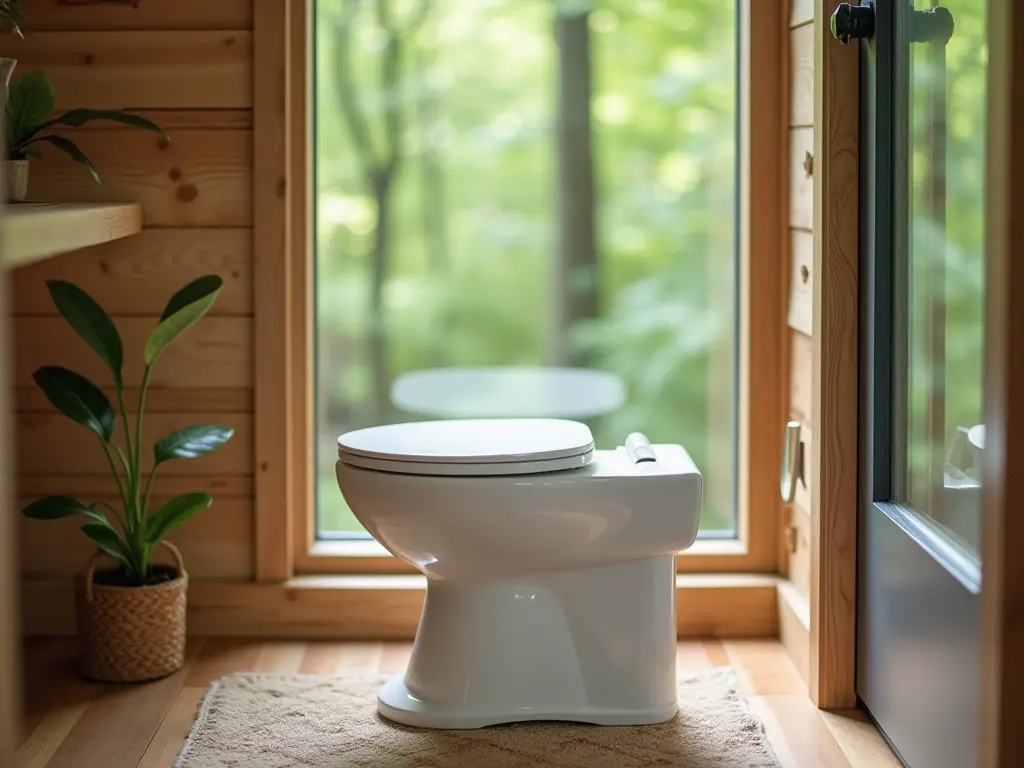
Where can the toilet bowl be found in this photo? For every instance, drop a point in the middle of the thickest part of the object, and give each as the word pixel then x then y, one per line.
pixel 550 567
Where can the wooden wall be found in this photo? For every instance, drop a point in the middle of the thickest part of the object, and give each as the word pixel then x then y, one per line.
pixel 10 646
pixel 801 239
pixel 795 597
pixel 188 65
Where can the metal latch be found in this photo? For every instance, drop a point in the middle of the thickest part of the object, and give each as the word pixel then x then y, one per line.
pixel 792 468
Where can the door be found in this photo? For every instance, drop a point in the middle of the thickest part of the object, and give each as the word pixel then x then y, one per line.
pixel 923 81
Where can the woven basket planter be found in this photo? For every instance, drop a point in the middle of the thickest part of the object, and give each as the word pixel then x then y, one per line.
pixel 130 634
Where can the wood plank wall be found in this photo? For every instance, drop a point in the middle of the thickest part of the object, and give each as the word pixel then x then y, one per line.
pixel 794 597
pixel 10 646
pixel 801 222
pixel 188 65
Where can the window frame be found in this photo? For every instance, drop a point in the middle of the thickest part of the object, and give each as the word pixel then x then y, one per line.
pixel 286 543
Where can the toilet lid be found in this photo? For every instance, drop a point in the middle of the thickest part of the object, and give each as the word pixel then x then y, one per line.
pixel 470 447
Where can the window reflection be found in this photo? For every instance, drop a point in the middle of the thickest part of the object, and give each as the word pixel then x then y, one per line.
pixel 940 315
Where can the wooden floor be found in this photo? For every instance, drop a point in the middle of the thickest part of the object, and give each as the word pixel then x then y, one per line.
pixel 69 722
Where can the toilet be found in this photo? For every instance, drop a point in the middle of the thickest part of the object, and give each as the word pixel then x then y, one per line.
pixel 550 567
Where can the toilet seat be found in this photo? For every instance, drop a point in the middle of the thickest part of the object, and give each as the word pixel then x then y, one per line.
pixel 470 447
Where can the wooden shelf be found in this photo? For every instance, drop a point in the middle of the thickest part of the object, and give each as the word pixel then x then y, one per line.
pixel 36 231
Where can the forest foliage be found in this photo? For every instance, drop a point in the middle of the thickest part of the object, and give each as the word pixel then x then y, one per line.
pixel 438 214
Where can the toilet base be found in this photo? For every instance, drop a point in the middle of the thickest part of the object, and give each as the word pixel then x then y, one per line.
pixel 595 645
pixel 397 703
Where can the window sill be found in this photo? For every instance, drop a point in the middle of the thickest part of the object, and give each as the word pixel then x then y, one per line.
pixel 370 548
pixel 329 558
pixel 387 607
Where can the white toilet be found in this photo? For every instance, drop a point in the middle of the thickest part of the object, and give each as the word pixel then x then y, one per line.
pixel 550 567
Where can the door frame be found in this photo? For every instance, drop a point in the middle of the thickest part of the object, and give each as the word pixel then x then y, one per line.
pixel 833 602
pixel 1001 740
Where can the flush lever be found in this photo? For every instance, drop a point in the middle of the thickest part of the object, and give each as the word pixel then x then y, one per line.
pixel 792 468
pixel 639 448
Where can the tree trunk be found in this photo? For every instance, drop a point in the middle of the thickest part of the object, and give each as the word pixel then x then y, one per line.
pixel 434 222
pixel 435 225
pixel 378 338
pixel 574 284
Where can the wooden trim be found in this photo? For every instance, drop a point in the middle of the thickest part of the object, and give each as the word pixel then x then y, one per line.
pixel 1001 739
pixel 274 433
pixel 388 607
pixel 709 556
pixel 302 318
pixel 834 451
pixel 763 276
pixel 794 626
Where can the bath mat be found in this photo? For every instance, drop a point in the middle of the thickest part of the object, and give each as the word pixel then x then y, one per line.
pixel 318 721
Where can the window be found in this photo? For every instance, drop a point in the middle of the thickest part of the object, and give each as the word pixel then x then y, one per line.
pixel 939 307
pixel 518 196
pixel 513 197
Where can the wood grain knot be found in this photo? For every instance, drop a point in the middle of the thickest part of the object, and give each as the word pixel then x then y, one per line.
pixel 186 193
pixel 88 59
pixel 264 466
pixel 229 41
pixel 104 268
pixel 282 187
pixel 163 143
pixel 174 173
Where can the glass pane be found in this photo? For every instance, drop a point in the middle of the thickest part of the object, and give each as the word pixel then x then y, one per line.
pixel 940 307
pixel 528 208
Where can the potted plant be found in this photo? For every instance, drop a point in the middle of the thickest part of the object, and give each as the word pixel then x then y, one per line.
pixel 30 104
pixel 11 17
pixel 131 617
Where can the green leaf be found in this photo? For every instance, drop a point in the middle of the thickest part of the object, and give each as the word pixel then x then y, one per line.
pixel 56 507
pixel 90 322
pixel 108 540
pixel 96 516
pixel 76 118
pixel 12 9
pixel 174 513
pixel 71 149
pixel 200 295
pixel 30 102
pixel 191 442
pixel 77 398
pixel 195 291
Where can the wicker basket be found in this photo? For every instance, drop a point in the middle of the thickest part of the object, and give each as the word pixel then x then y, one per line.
pixel 130 634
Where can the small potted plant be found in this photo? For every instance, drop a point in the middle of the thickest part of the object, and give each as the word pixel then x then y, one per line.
pixel 131 617
pixel 29 110
pixel 12 18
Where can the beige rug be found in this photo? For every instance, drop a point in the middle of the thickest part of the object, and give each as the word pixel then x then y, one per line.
pixel 316 721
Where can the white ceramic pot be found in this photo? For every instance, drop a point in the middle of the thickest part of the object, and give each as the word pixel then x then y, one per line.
pixel 16 179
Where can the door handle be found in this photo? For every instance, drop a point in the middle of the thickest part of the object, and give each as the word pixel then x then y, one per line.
pixel 849 22
pixel 792 469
